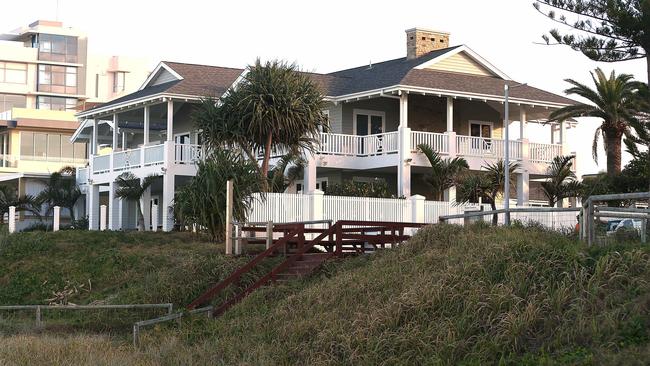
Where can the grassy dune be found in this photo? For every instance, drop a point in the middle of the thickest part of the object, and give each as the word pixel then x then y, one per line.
pixel 480 295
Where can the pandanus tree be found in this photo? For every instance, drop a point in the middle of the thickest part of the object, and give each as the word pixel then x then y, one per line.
pixel 61 190
pixel 9 197
pixel 130 187
pixel 274 107
pixel 444 173
pixel 488 184
pixel 615 101
pixel 562 182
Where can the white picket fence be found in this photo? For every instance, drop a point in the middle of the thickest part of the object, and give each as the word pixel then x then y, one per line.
pixel 283 207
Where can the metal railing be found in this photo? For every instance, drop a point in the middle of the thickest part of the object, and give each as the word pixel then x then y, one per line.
pixel 167 318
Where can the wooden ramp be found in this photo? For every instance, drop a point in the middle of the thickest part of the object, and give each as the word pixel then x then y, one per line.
pixel 305 249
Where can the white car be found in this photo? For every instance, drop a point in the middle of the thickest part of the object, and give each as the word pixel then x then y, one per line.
pixel 629 224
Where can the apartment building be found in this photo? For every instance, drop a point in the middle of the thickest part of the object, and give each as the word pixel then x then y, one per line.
pixel 46 76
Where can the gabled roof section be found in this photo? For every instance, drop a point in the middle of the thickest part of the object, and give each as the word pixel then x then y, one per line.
pixel 465 59
pixel 179 79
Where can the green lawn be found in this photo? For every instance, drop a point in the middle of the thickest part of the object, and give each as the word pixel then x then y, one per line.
pixel 479 295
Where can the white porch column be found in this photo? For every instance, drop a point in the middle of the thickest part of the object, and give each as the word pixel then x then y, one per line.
pixel 93 147
pixel 450 114
pixel 309 175
pixel 523 123
pixel 168 202
pixel 449 195
pixel 523 180
pixel 317 204
pixel 57 218
pixel 93 207
pixel 102 217
pixel 170 120
pixel 563 139
pixel 404 152
pixel 114 208
pixel 115 131
pixel 146 125
pixel 145 203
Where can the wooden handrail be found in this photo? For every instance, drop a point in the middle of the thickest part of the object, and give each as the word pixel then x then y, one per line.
pixel 215 290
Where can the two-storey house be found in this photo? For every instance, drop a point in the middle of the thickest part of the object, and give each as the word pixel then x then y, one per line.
pixel 445 96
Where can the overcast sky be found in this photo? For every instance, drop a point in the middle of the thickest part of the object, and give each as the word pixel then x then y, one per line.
pixel 325 36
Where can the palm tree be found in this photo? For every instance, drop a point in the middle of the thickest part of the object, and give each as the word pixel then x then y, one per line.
pixel 8 197
pixel 131 188
pixel 615 101
pixel 285 172
pixel 444 173
pixel 488 185
pixel 61 190
pixel 562 182
pixel 273 107
pixel 202 201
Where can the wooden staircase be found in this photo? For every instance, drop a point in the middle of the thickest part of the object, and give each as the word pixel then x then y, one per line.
pixel 342 238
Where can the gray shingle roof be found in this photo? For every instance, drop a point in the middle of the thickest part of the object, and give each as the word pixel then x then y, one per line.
pixel 202 80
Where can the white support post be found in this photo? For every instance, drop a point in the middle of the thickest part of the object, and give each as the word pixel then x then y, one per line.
pixel 309 174
pixel 154 218
pixel 450 114
pixel 93 207
pixel 114 216
pixel 417 208
pixel 523 191
pixel 145 203
pixel 449 195
pixel 229 209
pixel 404 152
pixel 93 147
pixel 57 218
pixel 115 131
pixel 170 120
pixel 12 219
pixel 102 217
pixel 168 202
pixel 522 122
pixel 563 139
pixel 146 125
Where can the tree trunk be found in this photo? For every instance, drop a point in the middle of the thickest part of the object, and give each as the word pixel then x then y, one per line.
pixel 613 152
pixel 265 162
pixel 495 216
pixel 140 216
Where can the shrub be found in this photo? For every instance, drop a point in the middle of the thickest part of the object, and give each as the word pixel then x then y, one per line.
pixel 376 189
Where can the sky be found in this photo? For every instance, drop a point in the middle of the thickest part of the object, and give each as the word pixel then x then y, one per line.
pixel 325 36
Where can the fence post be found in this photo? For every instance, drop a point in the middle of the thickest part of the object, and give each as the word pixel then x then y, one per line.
pixel 417 208
pixel 136 335
pixel 12 219
pixel 57 218
pixel 317 204
pixel 229 203
pixel 102 217
pixel 154 217
pixel 39 320
pixel 269 234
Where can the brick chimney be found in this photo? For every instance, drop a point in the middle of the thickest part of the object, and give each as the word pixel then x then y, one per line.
pixel 421 41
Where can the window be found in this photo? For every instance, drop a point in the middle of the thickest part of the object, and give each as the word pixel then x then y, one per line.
pixel 119 81
pixel 56 103
pixel 50 147
pixel 57 48
pixel 326 113
pixel 8 101
pixel 57 79
pixel 12 72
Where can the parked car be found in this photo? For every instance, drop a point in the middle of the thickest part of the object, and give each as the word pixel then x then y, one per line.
pixel 625 223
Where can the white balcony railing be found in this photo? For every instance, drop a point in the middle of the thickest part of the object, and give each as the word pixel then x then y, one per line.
pixel 487 148
pixel 187 153
pixel 101 164
pixel 355 145
pixel 544 153
pixel 437 141
pixel 125 160
pixel 154 155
